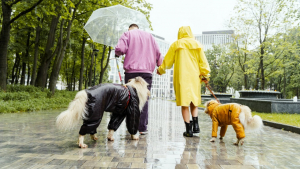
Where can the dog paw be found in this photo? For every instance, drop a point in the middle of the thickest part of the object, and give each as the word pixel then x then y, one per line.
pixel 242 141
pixel 134 137
pixel 221 138
pixel 110 135
pixel 83 145
pixel 110 138
pixel 94 137
pixel 213 140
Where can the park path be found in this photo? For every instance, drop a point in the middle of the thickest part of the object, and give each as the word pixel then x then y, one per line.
pixel 30 140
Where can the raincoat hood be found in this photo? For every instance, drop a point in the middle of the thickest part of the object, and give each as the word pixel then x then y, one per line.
pixel 185 32
pixel 187 56
pixel 211 106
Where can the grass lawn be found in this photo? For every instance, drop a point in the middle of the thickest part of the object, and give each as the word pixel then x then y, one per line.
pixel 290 119
pixel 20 98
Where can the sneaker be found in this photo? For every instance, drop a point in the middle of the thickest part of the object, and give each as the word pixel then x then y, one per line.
pixel 144 132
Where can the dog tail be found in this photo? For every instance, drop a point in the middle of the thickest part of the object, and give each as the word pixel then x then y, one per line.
pixel 75 112
pixel 254 123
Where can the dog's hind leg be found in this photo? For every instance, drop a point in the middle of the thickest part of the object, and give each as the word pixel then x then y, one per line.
pixel 134 137
pixel 110 135
pixel 94 137
pixel 80 142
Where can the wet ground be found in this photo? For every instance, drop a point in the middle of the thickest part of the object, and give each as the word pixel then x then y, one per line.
pixel 30 140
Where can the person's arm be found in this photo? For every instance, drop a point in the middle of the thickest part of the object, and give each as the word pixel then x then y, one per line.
pixel 204 66
pixel 158 55
pixel 168 61
pixel 122 45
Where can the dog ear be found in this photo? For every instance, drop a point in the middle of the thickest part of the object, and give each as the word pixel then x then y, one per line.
pixel 206 103
pixel 137 79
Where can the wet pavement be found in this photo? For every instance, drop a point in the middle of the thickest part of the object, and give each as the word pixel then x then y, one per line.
pixel 30 140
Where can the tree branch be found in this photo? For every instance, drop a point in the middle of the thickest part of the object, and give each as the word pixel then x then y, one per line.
pixel 16 1
pixel 25 12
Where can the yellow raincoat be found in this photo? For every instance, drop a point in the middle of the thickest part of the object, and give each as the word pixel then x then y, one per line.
pixel 224 115
pixel 190 63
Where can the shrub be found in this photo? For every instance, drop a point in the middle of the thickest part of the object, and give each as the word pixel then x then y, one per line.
pixel 20 98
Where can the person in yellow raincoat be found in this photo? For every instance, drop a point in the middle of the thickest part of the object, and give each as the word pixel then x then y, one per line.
pixel 190 67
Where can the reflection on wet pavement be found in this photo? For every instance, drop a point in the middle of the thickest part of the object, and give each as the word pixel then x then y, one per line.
pixel 30 140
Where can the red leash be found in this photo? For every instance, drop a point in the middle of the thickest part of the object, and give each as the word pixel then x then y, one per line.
pixel 209 88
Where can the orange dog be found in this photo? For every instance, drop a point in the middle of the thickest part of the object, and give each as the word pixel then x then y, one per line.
pixel 239 116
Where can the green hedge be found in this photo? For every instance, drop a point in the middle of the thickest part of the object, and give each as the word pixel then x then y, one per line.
pixel 19 98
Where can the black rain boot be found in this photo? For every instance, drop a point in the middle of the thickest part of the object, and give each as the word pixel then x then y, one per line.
pixel 189 132
pixel 196 128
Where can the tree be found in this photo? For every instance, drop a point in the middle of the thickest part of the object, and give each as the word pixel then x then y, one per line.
pixel 265 18
pixel 222 67
pixel 7 8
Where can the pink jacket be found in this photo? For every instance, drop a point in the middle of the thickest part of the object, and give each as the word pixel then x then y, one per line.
pixel 141 50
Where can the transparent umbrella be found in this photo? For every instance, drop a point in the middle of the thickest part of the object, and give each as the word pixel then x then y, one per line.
pixel 106 25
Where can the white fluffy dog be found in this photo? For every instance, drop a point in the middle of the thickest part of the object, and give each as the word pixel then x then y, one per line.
pixel 89 105
pixel 239 116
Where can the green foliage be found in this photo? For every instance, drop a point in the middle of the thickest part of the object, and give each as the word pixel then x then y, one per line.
pixel 222 65
pixel 290 119
pixel 20 98
pixel 41 16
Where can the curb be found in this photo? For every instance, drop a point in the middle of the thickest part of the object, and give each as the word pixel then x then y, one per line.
pixel 284 127
pixel 281 126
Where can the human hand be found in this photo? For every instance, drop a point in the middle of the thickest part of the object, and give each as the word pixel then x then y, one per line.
pixel 158 72
pixel 204 80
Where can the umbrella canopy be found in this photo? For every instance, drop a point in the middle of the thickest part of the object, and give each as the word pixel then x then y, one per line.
pixel 106 25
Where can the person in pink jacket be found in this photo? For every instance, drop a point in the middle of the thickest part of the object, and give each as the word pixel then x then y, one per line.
pixel 142 54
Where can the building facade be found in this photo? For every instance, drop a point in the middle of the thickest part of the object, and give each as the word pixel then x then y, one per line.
pixel 210 38
pixel 162 86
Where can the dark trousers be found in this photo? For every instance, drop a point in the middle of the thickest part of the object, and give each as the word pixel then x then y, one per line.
pixel 144 113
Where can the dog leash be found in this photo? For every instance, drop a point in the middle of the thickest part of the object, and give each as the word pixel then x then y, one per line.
pixel 209 88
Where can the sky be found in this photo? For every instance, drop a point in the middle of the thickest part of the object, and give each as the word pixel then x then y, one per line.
pixel 167 16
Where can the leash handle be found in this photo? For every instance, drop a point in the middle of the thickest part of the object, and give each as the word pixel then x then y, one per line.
pixel 119 71
pixel 209 88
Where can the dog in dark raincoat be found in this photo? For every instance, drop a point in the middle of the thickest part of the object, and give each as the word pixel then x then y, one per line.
pixel 89 105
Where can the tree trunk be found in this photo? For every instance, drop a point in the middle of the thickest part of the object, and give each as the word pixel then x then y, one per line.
pixel 36 53
pixel 102 60
pixel 15 68
pixel 262 68
pixel 28 74
pixel 73 75
pixel 86 79
pixel 55 71
pixel 57 66
pixel 284 84
pixel 91 67
pixel 246 81
pixel 25 58
pixel 23 69
pixel 4 40
pixel 48 55
pixel 18 74
pixel 82 63
pixel 104 69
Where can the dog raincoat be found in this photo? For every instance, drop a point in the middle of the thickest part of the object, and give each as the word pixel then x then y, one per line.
pixel 190 63
pixel 111 98
pixel 224 115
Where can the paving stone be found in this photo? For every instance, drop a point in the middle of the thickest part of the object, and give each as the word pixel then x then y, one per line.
pixel 31 140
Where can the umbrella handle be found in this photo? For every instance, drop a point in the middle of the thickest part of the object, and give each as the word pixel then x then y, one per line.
pixel 119 71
